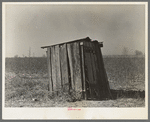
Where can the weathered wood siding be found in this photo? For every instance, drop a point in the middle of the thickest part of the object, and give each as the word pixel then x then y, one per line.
pixel 58 72
pixel 75 66
pixel 49 68
pixel 64 67
pixel 53 68
pixel 84 86
pixel 88 69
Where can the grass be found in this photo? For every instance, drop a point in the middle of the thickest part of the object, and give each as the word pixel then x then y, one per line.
pixel 29 88
pixel 24 88
pixel 126 73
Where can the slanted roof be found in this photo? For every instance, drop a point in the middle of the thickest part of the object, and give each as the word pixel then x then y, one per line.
pixel 78 40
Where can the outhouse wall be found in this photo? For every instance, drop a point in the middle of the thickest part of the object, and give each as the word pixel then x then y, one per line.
pixel 78 66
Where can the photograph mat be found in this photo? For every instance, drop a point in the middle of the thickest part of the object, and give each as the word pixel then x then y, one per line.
pixel 85 113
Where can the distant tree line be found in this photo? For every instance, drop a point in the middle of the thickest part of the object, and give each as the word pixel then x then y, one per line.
pixel 125 52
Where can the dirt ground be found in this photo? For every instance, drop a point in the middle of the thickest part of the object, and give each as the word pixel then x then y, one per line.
pixel 121 102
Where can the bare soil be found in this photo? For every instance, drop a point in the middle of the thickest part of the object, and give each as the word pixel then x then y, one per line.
pixel 120 102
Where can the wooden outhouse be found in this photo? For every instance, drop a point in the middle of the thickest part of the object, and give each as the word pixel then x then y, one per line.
pixel 78 65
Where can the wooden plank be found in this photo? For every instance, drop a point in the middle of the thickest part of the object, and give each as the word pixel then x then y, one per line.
pixel 74 63
pixel 102 86
pixel 83 75
pixel 88 66
pixel 98 74
pixel 89 63
pixel 93 83
pixel 70 51
pixel 87 75
pixel 53 68
pixel 77 67
pixel 94 88
pixel 93 63
pixel 58 72
pixel 95 71
pixel 49 68
pixel 64 67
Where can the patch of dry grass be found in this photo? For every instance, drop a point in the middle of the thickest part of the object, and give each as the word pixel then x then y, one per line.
pixel 20 88
pixel 17 86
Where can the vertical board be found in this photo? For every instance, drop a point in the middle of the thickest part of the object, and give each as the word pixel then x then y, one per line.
pixel 64 67
pixel 83 75
pixel 98 70
pixel 70 52
pixel 49 68
pixel 88 67
pixel 93 62
pixel 102 84
pixel 77 67
pixel 87 74
pixel 53 67
pixel 93 83
pixel 58 71
pixel 88 62
pixel 95 71
pixel 74 61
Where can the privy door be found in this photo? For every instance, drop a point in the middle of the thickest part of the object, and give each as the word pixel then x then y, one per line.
pixel 91 70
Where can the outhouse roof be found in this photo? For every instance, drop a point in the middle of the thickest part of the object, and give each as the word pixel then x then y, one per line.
pixel 78 40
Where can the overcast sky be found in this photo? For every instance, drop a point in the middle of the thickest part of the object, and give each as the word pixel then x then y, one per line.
pixel 118 26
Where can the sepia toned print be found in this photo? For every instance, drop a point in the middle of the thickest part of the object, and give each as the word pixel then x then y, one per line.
pixel 75 57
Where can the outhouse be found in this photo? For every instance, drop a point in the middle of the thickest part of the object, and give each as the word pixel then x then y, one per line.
pixel 78 65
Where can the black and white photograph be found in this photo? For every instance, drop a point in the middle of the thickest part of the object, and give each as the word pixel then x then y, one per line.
pixel 75 60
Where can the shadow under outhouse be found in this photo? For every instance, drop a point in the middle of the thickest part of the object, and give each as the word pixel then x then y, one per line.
pixel 78 65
